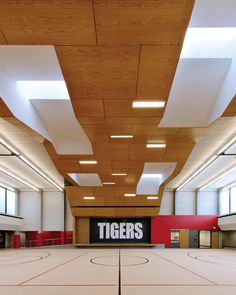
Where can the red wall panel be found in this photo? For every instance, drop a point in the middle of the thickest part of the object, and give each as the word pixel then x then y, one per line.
pixel 161 225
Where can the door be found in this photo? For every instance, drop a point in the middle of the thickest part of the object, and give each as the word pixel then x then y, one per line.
pixel 2 239
pixel 174 237
pixel 215 239
pixel 193 239
pixel 184 238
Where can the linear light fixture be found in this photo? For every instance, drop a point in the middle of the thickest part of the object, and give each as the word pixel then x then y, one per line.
pixel 212 159
pixel 228 186
pixel 121 136
pixel 119 174
pixel 151 175
pixel 216 179
pixel 130 195
pixel 149 104
pixel 156 145
pixel 9 147
pixel 32 166
pixel 29 163
pixel 226 146
pixel 109 183
pixel 88 162
pixel 89 198
pixel 198 171
pixel 152 198
pixel 7 187
pixel 19 179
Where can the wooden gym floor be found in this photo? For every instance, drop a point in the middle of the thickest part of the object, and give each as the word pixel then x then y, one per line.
pixel 117 271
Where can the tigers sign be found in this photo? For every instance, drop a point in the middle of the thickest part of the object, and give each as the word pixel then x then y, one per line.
pixel 119 230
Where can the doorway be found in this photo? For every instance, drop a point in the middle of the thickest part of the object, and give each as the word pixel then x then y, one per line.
pixel 205 239
pixel 2 239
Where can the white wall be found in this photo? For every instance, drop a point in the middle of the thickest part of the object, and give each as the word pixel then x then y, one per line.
pixel 53 211
pixel 167 203
pixel 185 203
pixel 30 203
pixel 207 203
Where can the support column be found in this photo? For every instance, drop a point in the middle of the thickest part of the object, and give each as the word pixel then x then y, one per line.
pixel 196 202
pixel 63 238
pixel 174 202
pixel 40 233
pixel 63 233
pixel 16 242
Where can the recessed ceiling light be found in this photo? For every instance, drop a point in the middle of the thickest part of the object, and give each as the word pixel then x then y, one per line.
pixel 129 195
pixel 119 174
pixel 151 175
pixel 88 162
pixel 88 198
pixel 156 145
pixel 121 136
pixel 152 198
pixel 149 104
pixel 109 183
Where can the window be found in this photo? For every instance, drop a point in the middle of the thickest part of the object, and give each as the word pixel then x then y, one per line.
pixel 7 201
pixel 224 202
pixel 233 200
pixel 11 202
pixel 2 200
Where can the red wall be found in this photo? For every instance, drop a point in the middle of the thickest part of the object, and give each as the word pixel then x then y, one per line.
pixel 46 238
pixel 161 225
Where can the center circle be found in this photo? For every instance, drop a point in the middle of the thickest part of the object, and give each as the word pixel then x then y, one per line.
pixel 125 260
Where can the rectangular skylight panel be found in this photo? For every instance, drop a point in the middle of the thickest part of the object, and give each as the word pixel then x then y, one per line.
pixel 43 89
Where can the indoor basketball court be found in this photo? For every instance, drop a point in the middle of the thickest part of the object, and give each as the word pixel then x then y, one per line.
pixel 117 271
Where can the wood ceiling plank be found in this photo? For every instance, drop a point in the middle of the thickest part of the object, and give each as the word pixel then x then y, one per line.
pixel 135 167
pixel 140 152
pixel 231 108
pixel 133 120
pixel 4 111
pixel 141 21
pixel 95 72
pixel 156 71
pixel 112 151
pixel 88 108
pixel 3 40
pixel 64 22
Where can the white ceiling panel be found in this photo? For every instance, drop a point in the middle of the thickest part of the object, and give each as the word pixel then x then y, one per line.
pixel 194 92
pixel 86 179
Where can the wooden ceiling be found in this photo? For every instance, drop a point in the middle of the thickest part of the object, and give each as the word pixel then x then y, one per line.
pixel 111 52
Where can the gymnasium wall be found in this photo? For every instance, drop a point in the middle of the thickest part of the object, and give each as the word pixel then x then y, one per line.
pixel 44 211
pixel 161 226
pixel 189 203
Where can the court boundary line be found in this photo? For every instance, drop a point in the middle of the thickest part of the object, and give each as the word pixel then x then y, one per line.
pixel 180 266
pixel 25 281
